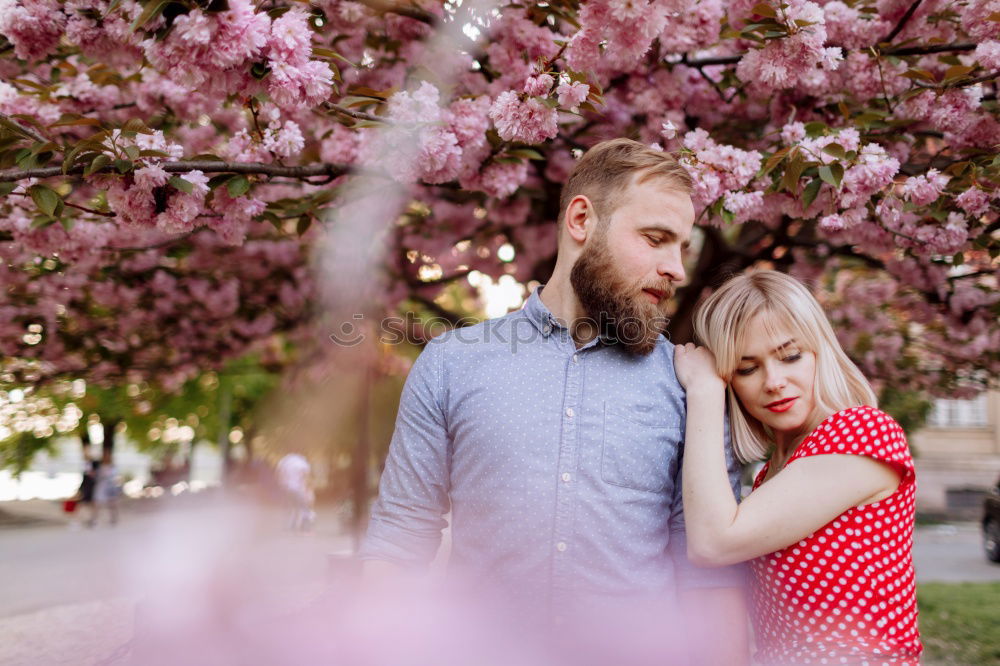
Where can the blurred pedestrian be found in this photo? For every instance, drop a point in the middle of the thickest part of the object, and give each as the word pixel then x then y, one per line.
pixel 293 472
pixel 85 495
pixel 106 489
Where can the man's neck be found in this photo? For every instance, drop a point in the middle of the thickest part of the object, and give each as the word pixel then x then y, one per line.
pixel 561 300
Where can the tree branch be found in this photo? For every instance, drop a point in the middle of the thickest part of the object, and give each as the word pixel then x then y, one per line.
pixel 203 166
pixel 407 10
pixel 26 130
pixel 902 22
pixel 357 115
pixel 960 83
pixel 905 51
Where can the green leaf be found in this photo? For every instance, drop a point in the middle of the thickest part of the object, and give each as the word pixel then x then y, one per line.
pixel 132 152
pixel 815 129
pixel 764 9
pixel 238 186
pixel 181 184
pixel 957 72
pixel 97 164
pixel 7 188
pixel 526 153
pixel 303 224
pixel 152 10
pixel 137 126
pixel 41 221
pixel 123 166
pixel 216 181
pixel 153 153
pixel 958 259
pixel 810 192
pixel 72 119
pixel 45 198
pixel 832 174
pixel 727 216
pixel 836 150
pixel 775 159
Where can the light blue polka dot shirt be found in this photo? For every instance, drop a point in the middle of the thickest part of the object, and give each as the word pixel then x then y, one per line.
pixel 560 466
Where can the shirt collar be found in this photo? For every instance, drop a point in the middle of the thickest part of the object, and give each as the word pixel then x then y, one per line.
pixel 539 315
pixel 547 323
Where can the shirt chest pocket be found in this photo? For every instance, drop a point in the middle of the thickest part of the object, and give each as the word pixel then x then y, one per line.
pixel 639 450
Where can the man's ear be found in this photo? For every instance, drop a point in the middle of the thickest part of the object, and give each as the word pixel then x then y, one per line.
pixel 580 219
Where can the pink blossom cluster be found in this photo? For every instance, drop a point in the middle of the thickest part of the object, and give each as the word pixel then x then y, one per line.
pixel 975 18
pixel 108 38
pixel 851 28
pixel 782 63
pixel 424 141
pixel 524 120
pixel 620 31
pixel 144 199
pixel 516 46
pixel 974 201
pixel 956 112
pixel 717 168
pixel 988 54
pixel 295 81
pixel 32 26
pixel 925 188
pixel 203 46
pixel 13 103
pixel 873 172
pixel 572 94
pixel 691 26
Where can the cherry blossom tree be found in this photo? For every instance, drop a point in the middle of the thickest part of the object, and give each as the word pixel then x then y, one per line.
pixel 183 180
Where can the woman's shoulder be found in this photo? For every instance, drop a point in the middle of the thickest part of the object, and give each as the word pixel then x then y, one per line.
pixel 864 430
pixel 860 416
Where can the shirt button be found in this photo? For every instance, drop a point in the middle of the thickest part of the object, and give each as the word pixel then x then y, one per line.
pixel 569 412
pixel 576 358
pixel 566 477
pixel 561 546
pixel 546 329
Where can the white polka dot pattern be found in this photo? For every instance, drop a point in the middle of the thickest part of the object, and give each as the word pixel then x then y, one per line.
pixel 846 593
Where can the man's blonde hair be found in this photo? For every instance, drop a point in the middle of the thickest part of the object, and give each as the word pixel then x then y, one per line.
pixel 721 324
pixel 605 171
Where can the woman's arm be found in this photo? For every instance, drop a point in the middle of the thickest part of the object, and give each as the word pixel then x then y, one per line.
pixel 795 503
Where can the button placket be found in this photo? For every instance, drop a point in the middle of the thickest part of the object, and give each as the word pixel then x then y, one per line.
pixel 562 569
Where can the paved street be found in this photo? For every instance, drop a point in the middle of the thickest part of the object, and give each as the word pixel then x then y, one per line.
pixel 70 596
pixel 952 553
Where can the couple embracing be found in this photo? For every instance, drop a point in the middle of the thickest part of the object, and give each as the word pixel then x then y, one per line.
pixel 560 458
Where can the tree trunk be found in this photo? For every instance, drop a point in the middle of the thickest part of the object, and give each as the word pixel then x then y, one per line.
pixel 108 446
pixel 225 412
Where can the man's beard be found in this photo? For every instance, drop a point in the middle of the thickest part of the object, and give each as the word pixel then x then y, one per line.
pixel 615 306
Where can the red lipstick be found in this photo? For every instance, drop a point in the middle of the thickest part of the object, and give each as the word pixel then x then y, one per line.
pixel 779 406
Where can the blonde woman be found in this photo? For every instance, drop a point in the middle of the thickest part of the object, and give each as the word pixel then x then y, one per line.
pixel 828 527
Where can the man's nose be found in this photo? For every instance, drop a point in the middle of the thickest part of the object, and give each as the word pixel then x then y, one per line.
pixel 672 269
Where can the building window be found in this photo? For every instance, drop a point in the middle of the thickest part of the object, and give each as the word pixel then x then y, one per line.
pixel 959 413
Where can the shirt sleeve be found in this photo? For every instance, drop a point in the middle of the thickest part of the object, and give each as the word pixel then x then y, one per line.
pixel 687 574
pixel 408 516
pixel 863 431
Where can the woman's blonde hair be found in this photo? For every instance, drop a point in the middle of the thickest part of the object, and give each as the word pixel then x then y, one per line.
pixel 721 324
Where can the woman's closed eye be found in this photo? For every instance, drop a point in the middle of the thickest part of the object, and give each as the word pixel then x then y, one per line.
pixel 792 358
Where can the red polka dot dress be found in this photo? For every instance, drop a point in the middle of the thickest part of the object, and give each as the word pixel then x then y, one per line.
pixel 846 593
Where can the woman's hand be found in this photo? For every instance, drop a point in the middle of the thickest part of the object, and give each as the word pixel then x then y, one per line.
pixel 695 369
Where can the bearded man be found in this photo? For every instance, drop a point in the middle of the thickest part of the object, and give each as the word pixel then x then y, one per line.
pixel 554 434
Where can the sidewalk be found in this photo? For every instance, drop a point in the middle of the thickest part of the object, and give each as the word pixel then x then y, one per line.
pixel 71 595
